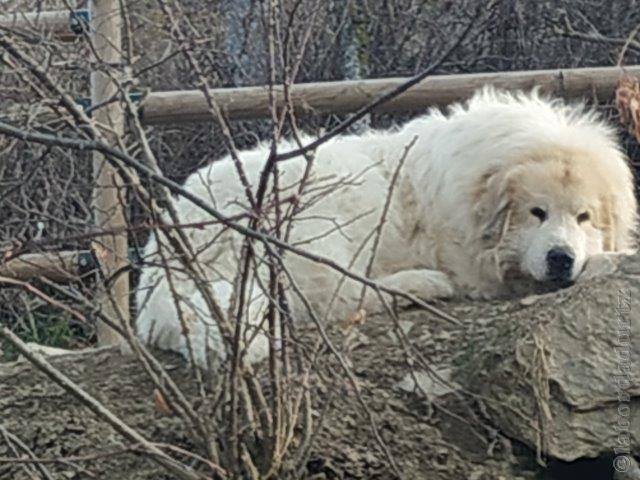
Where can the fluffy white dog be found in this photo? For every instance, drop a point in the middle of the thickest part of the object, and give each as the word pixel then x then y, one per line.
pixel 503 193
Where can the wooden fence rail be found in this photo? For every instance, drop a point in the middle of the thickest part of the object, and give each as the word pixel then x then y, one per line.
pixel 57 266
pixel 347 96
pixel 63 24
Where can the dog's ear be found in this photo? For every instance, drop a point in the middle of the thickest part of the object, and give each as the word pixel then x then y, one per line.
pixel 492 203
pixel 617 219
pixel 605 222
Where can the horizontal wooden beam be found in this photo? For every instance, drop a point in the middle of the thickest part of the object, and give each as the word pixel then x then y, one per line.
pixel 63 24
pixel 57 266
pixel 63 266
pixel 347 96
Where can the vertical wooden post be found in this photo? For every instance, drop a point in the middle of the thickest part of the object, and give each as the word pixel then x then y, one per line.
pixel 108 197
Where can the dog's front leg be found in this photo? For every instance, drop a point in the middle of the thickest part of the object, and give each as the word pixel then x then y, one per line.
pixel 602 264
pixel 423 284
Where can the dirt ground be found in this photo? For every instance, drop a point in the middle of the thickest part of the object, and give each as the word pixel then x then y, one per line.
pixel 444 437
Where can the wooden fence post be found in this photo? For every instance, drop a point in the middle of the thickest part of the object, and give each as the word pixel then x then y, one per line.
pixel 108 201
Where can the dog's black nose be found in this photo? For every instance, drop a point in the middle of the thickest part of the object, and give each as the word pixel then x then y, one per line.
pixel 560 263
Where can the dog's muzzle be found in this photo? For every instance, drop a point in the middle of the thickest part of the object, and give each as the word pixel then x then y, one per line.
pixel 560 264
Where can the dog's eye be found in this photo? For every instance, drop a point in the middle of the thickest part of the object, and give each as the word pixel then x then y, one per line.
pixel 539 213
pixel 584 217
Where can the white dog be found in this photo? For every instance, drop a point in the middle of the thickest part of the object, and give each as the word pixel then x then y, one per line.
pixel 505 192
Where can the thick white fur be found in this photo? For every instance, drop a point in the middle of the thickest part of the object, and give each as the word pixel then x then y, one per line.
pixel 459 220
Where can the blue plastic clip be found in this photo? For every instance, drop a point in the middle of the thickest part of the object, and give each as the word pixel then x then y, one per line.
pixel 79 21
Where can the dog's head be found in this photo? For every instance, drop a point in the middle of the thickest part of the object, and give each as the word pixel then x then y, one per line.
pixel 550 211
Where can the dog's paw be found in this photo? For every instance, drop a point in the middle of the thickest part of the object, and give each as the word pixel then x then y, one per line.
pixel 481 294
pixel 600 265
pixel 423 284
pixel 442 287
